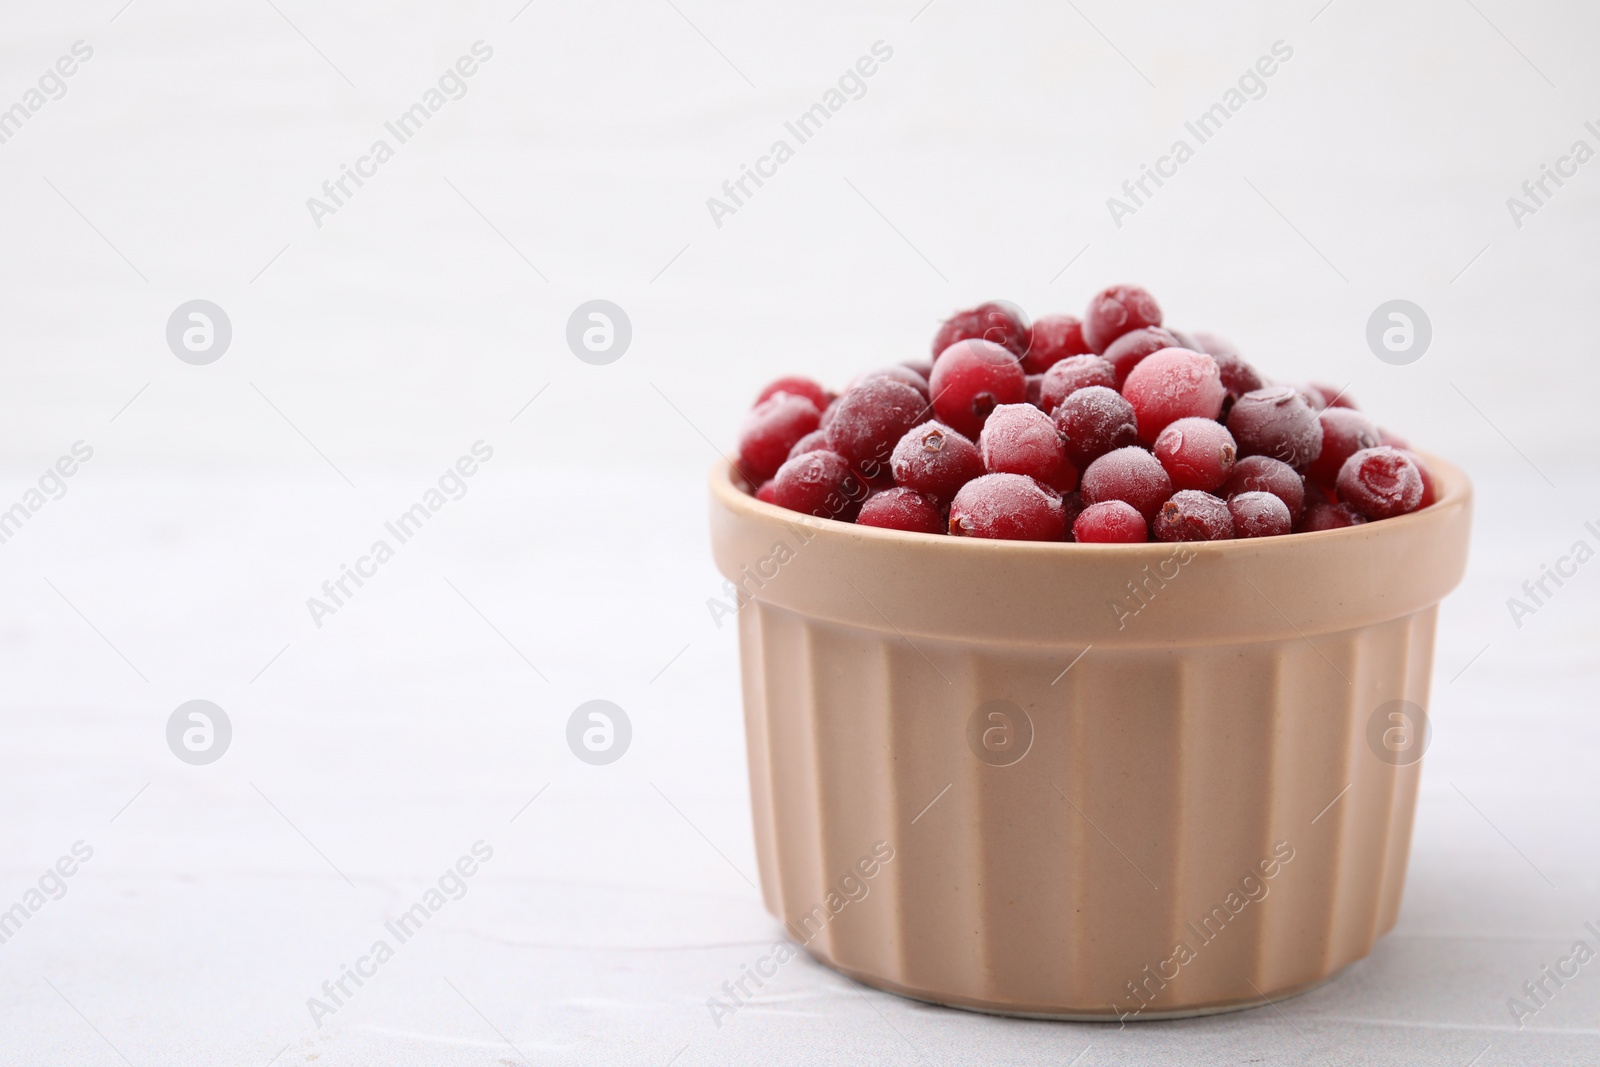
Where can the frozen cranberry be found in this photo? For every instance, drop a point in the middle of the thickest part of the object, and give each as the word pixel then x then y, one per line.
pixel 1313 395
pixel 771 430
pixel 970 379
pixel 828 413
pixel 799 387
pixel 1129 350
pixel 1279 422
pixel 996 322
pixel 898 374
pixel 1072 506
pixel 1197 453
pixel 1380 483
pixel 1263 474
pixel 811 442
pixel 1334 398
pixel 1036 390
pixel 902 509
pixel 1072 374
pixel 1258 515
pixel 1173 384
pixel 1324 516
pixel 1191 515
pixel 820 484
pixel 767 493
pixel 923 367
pixel 935 460
pixel 1093 421
pixel 1009 507
pixel 1345 432
pixel 871 419
pixel 1213 345
pixel 1238 377
pixel 1131 475
pixel 1053 339
pixel 1116 311
pixel 1428 495
pixel 1110 522
pixel 1021 439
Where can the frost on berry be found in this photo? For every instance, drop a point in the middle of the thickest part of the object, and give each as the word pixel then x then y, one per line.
pixel 1007 507
pixel 1021 439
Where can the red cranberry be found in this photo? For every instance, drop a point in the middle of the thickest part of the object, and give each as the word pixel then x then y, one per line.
pixel 1131 475
pixel 923 367
pixel 1334 398
pixel 1072 374
pixel 811 442
pixel 1380 483
pixel 1345 432
pixel 1116 311
pixel 935 460
pixel 767 493
pixel 902 509
pixel 1428 494
pixel 1279 422
pixel 1036 391
pixel 820 484
pixel 771 430
pixel 1213 345
pixel 1009 507
pixel 1238 377
pixel 799 387
pixel 1258 515
pixel 1093 421
pixel 996 322
pixel 972 378
pixel 1193 516
pixel 871 418
pixel 898 374
pixel 1054 338
pixel 1324 516
pixel 1173 384
pixel 1129 350
pixel 1197 453
pixel 1021 439
pixel 1110 522
pixel 1263 474
pixel 1072 505
pixel 1313 395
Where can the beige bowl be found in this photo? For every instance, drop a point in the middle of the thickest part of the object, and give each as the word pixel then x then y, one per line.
pixel 1086 781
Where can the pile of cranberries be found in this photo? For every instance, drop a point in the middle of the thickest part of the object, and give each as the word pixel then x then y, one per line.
pixel 1112 428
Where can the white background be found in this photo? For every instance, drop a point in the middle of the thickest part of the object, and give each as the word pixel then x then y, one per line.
pixel 370 352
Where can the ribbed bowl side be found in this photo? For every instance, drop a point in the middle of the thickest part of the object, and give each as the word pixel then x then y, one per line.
pixel 1191 828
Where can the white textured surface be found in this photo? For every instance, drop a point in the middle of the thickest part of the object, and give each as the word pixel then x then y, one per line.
pixel 405 329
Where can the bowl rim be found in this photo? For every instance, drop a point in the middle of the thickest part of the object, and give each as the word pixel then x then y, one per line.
pixel 1452 487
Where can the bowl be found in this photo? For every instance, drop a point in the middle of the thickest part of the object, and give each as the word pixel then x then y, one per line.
pixel 1085 781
